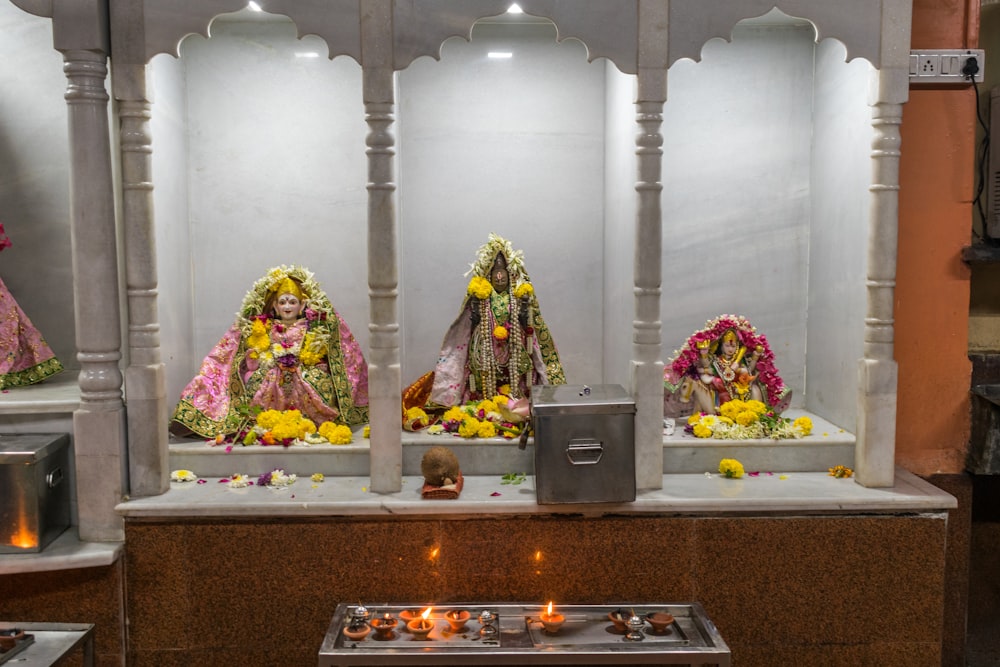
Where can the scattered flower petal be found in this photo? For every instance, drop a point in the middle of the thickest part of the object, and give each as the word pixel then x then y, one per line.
pixel 495 493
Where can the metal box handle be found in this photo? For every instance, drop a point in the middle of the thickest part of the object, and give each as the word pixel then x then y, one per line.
pixel 54 478
pixel 584 452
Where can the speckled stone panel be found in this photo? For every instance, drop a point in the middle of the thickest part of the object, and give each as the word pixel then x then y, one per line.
pixel 956 595
pixel 793 583
pixel 86 595
pixel 868 589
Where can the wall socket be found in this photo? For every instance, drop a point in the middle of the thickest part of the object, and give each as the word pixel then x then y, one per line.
pixel 944 66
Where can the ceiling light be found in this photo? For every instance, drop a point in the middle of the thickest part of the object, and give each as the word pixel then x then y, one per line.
pixel 499 55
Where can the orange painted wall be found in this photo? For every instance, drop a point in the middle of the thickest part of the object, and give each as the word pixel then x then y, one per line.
pixel 932 282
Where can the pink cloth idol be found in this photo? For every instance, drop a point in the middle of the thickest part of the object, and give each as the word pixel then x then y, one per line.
pixel 288 349
pixel 25 357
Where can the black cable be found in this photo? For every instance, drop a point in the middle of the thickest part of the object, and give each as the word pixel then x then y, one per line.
pixel 970 70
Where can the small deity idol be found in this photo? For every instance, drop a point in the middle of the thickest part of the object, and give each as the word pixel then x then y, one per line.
pixel 288 349
pixel 25 357
pixel 499 343
pixel 714 367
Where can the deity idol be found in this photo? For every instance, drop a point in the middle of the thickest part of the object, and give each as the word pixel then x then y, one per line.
pixel 499 342
pixel 288 349
pixel 727 360
pixel 25 357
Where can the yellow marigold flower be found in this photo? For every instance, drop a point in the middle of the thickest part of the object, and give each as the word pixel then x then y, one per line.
pixel 454 414
pixel 840 472
pixel 366 432
pixel 317 477
pixel 480 287
pixel 694 419
pixel 726 420
pixel 486 430
pixel 756 406
pixel 415 413
pixel 469 428
pixel 311 353
pixel 487 405
pixel 267 419
pixel 500 332
pixel 709 420
pixel 259 339
pixel 524 289
pixel 746 417
pixel 732 408
pixel 804 425
pixel 702 431
pixel 336 434
pixel 504 390
pixel 731 468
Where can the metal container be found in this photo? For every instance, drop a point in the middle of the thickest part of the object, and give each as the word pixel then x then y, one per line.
pixel 34 490
pixel 584 443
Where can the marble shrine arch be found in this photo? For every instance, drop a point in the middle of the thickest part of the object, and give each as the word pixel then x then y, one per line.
pixel 829 242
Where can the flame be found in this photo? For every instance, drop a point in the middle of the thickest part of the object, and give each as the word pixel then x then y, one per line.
pixel 538 555
pixel 434 553
pixel 548 611
pixel 22 536
pixel 426 613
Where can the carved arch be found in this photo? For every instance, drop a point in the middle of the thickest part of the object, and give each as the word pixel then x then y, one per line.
pixel 855 23
pixel 337 22
pixel 607 28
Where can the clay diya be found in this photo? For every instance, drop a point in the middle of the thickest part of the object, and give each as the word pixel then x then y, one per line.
pixel 383 626
pixel 357 632
pixel 660 620
pixel 619 619
pixel 421 627
pixel 457 618
pixel 551 620
pixel 408 615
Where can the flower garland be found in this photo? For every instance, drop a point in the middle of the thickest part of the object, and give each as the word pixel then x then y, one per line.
pixel 500 416
pixel 685 361
pixel 747 420
pixel 289 427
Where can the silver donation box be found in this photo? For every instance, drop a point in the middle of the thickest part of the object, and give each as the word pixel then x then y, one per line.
pixel 34 490
pixel 584 443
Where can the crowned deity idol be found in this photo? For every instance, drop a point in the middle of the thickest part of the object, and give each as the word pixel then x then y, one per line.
pixel 727 360
pixel 499 344
pixel 25 357
pixel 288 349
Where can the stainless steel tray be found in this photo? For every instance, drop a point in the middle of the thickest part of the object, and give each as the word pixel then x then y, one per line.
pixel 587 636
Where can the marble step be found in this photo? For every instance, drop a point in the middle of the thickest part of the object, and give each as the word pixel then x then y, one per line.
pixel 828 446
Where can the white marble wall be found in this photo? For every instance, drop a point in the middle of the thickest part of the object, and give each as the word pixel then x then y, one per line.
pixel 512 146
pixel 758 166
pixel 275 174
pixel 34 178
pixel 839 233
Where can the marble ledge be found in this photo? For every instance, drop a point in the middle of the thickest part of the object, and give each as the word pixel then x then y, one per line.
pixel 681 495
pixel 66 552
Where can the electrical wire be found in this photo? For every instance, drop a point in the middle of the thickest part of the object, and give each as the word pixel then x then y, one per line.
pixel 982 159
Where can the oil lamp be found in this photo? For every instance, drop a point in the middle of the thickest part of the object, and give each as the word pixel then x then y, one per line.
pixel 551 620
pixel 421 627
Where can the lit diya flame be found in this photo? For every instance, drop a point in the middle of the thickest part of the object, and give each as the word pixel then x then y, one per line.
pixel 551 620
pixel 423 617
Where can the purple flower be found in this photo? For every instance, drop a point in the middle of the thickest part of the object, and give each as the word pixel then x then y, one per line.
pixel 287 361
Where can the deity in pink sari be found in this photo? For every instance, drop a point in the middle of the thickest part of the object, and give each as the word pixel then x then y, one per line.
pixel 25 357
pixel 288 349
